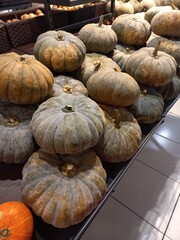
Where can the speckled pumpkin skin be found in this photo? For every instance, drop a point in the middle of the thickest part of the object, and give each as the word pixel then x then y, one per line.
pixel 59 199
pixel 154 71
pixel 166 24
pixel 148 16
pixel 149 106
pixel 60 51
pixel 98 38
pixel 24 80
pixel 60 130
pixel 113 87
pixel 131 29
pixel 68 85
pixel 93 63
pixel 122 135
pixel 16 139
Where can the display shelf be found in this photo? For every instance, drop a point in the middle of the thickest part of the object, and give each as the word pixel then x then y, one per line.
pixel 14 4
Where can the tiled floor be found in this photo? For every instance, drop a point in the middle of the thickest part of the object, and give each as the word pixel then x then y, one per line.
pixel 145 204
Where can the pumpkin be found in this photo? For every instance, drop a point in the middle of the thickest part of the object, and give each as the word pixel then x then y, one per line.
pixel 93 63
pixel 16 221
pixel 113 87
pixel 170 46
pixel 149 106
pixel 170 2
pixel 23 79
pixel 154 10
pixel 171 90
pixel 166 24
pixel 120 7
pixel 121 57
pixel 121 137
pixel 68 85
pixel 98 38
pixel 63 189
pixel 59 50
pixel 16 141
pixel 68 124
pixel 145 5
pixel 131 29
pixel 151 67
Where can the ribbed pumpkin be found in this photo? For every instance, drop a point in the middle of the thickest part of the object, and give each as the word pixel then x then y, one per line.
pixel 68 124
pixel 16 221
pixel 170 46
pixel 122 135
pixel 63 189
pixel 131 29
pixel 148 16
pixel 68 85
pixel 145 5
pixel 16 141
pixel 120 7
pixel 170 2
pixel 92 64
pixel 113 87
pixel 98 37
pixel 171 90
pixel 23 79
pixel 149 106
pixel 151 67
pixel 166 24
pixel 60 51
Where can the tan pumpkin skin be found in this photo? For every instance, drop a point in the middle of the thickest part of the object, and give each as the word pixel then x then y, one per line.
pixel 131 29
pixel 68 124
pixel 155 10
pixel 122 135
pixel 24 80
pixel 93 63
pixel 113 87
pixel 167 2
pixel 154 71
pixel 97 37
pixel 17 141
pixel 59 50
pixel 169 46
pixel 145 5
pixel 68 85
pixel 149 106
pixel 63 189
pixel 120 7
pixel 166 24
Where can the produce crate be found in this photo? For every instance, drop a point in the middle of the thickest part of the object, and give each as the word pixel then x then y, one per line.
pixel 4 39
pixel 100 8
pixel 23 31
pixel 60 18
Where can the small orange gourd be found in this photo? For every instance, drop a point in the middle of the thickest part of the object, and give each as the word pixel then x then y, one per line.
pixel 16 221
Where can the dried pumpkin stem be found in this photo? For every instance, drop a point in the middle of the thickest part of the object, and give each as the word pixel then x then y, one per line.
pixel 22 59
pixel 155 52
pixel 60 37
pixel 101 19
pixel 68 109
pixel 4 233
pixel 173 6
pixel 11 121
pixel 97 65
pixel 127 50
pixel 144 92
pixel 67 89
pixel 117 119
pixel 68 170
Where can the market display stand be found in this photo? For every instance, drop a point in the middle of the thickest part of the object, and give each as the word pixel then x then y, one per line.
pixel 14 4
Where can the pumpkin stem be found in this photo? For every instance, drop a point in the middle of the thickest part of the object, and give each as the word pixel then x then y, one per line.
pixel 4 233
pixel 127 50
pixel 117 119
pixel 173 6
pixel 68 169
pixel 68 109
pixel 101 19
pixel 155 52
pixel 22 59
pixel 60 37
pixel 144 92
pixel 11 121
pixel 97 64
pixel 67 89
pixel 135 19
pixel 115 69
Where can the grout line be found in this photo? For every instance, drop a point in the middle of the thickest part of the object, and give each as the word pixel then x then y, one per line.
pixel 167 138
pixel 136 214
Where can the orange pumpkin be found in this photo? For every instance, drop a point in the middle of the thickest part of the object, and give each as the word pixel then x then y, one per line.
pixel 16 221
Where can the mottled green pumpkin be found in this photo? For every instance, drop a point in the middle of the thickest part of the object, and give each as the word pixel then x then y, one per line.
pixel 131 29
pixel 149 106
pixel 93 63
pixel 151 67
pixel 63 189
pixel 23 79
pixel 68 85
pixel 98 37
pixel 60 51
pixel 16 139
pixel 122 135
pixel 113 87
pixel 68 124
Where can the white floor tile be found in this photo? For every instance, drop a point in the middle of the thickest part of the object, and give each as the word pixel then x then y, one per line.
pixel 175 110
